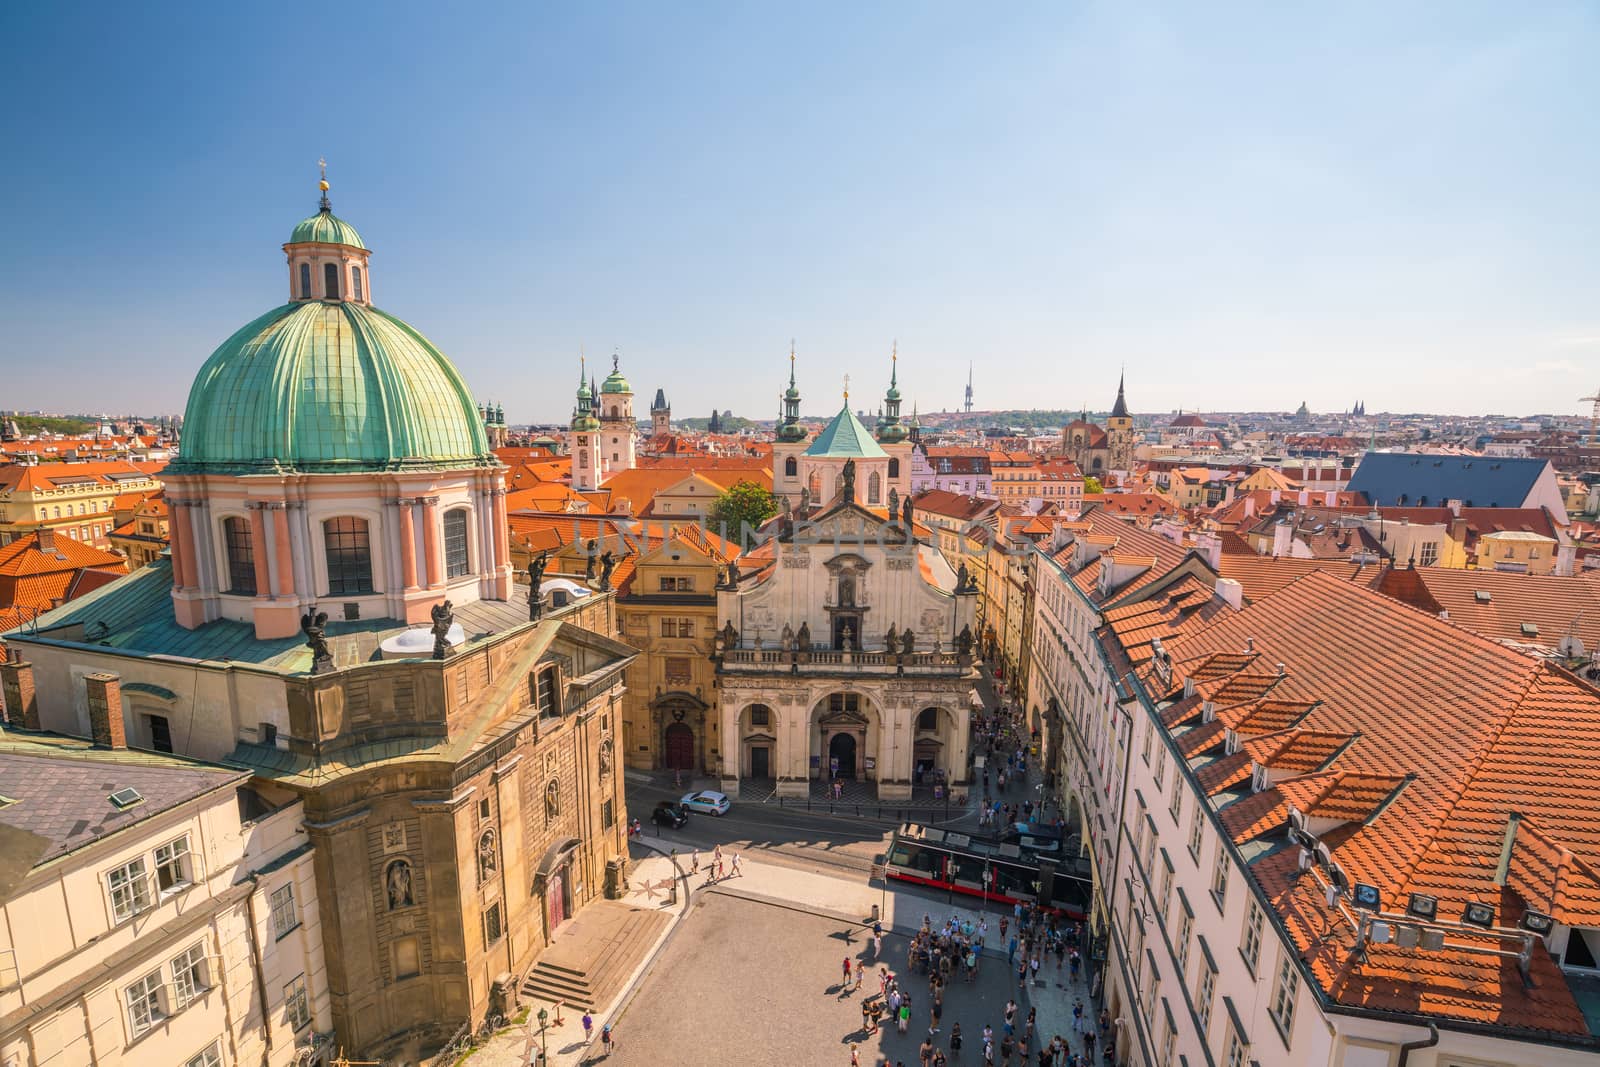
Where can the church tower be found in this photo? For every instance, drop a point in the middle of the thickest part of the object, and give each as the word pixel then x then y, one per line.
pixel 1120 438
pixel 790 442
pixel 617 426
pixel 660 415
pixel 583 443
pixel 894 437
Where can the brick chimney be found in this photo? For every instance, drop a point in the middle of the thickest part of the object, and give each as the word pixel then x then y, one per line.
pixel 105 710
pixel 22 703
pixel 47 539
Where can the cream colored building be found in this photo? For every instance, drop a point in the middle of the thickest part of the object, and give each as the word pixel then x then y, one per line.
pixel 165 914
pixel 75 499
pixel 811 685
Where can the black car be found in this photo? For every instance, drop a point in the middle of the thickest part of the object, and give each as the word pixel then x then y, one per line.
pixel 670 814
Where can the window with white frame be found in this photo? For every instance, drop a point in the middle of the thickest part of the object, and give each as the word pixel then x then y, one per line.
pixel 189 976
pixel 144 1003
pixel 285 915
pixel 1204 997
pixel 1149 739
pixel 210 1056
pixel 1164 898
pixel 1169 1038
pixel 1236 1052
pixel 1219 877
pixel 296 1004
pixel 1250 947
pixel 1161 766
pixel 129 888
pixel 1196 831
pixel 1283 994
pixel 172 865
pixel 1185 935
pixel 1175 809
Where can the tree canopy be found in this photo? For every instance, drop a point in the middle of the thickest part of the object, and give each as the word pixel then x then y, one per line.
pixel 743 504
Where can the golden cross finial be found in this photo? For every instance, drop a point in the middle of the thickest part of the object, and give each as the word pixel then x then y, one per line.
pixel 847 387
pixel 322 165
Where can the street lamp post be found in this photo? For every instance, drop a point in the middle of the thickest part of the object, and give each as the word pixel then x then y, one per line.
pixel 544 1036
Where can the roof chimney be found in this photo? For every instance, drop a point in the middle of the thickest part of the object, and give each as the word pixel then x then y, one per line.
pixel 22 703
pixel 47 539
pixel 1282 670
pixel 105 710
pixel 1230 592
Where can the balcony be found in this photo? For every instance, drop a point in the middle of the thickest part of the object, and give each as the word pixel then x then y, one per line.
pixel 828 661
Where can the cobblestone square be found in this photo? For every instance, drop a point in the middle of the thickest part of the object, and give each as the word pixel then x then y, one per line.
pixel 743 981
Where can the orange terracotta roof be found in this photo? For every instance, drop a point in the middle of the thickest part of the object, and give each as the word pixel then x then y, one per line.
pixel 1261 576
pixel 1502 605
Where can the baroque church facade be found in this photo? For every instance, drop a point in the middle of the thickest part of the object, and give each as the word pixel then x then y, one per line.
pixel 339 616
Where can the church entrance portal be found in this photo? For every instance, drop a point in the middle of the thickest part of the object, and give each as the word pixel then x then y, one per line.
pixel 842 755
pixel 679 748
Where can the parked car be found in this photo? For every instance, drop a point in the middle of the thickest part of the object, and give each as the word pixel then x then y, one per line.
pixel 707 801
pixel 670 815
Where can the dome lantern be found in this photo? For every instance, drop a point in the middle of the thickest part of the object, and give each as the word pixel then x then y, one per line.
pixel 327 258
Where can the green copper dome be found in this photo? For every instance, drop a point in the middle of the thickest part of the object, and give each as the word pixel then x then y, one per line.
pixel 615 383
pixel 324 386
pixel 326 228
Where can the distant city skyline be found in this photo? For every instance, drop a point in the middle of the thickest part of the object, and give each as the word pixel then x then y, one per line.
pixel 1247 209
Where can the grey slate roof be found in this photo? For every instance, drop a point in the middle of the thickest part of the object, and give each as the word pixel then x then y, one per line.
pixel 60 787
pixel 1399 478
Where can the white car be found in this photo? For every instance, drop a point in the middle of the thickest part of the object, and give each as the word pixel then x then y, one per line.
pixel 707 801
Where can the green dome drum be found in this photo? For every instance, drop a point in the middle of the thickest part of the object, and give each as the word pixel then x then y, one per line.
pixel 326 228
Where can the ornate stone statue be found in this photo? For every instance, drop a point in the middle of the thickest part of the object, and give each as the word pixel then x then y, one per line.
pixel 847 480
pixel 605 758
pixel 908 641
pixel 962 576
pixel 844 639
pixel 894 503
pixel 732 576
pixel 444 617
pixel 552 799
pixel 786 641
pixel 535 581
pixel 607 563
pixel 964 641
pixel 730 637
pixel 588 559
pixel 803 638
pixel 891 640
pixel 805 500
pixel 905 514
pixel 311 624
pixel 397 883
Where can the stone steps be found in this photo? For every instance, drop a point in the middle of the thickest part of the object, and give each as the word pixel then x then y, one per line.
pixel 587 970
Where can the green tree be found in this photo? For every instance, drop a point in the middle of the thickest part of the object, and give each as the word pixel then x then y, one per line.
pixel 1091 484
pixel 744 505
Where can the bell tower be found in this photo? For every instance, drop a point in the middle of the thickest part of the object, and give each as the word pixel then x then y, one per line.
pixel 614 406
pixel 583 443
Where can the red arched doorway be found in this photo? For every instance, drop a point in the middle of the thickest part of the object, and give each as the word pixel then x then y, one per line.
pixel 679 747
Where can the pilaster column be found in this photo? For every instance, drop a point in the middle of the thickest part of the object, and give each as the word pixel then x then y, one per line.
pixel 184 544
pixel 501 531
pixel 282 554
pixel 408 545
pixel 258 548
pixel 430 540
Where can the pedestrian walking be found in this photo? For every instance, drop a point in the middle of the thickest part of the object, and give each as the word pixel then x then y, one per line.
pixel 846 971
pixel 1007 1046
pixel 877 945
pixel 955 1041
pixel 905 1015
pixel 861 972
pixel 694 861
pixel 588 1027
pixel 608 1040
pixel 855 1056
pixel 926 1052
pixel 736 869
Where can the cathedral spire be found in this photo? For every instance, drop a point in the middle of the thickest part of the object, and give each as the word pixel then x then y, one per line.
pixel 1119 410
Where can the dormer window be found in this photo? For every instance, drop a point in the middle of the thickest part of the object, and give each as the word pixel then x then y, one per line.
pixel 355 283
pixel 305 281
pixel 330 281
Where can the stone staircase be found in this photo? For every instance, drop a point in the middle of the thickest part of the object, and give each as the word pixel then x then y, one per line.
pixel 594 954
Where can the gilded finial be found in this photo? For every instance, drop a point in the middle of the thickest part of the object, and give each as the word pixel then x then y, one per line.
pixel 847 387
pixel 322 183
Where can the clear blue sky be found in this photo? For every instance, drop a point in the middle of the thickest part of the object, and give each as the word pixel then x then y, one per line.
pixel 1250 206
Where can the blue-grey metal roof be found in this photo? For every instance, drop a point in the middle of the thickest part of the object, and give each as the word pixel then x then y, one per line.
pixel 1395 479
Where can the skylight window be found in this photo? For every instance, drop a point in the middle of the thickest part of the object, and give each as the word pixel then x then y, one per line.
pixel 126 798
pixel 1530 629
pixel 1482 596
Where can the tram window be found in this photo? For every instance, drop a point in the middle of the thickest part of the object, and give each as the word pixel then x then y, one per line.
pixel 968 869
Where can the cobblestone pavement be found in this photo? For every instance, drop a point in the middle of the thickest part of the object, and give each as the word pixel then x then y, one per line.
pixel 751 982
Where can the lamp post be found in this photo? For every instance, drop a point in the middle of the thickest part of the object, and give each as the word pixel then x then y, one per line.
pixel 544 1036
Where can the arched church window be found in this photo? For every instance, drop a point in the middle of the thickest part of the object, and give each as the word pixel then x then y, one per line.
pixel 348 550
pixel 305 281
pixel 790 468
pixel 455 543
pixel 613 411
pixel 355 282
pixel 874 487
pixel 583 457
pixel 241 556
pixel 814 483
pixel 894 467
pixel 928 720
pixel 330 281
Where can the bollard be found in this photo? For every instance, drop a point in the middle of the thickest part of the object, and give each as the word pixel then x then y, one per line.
pixel 875 913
